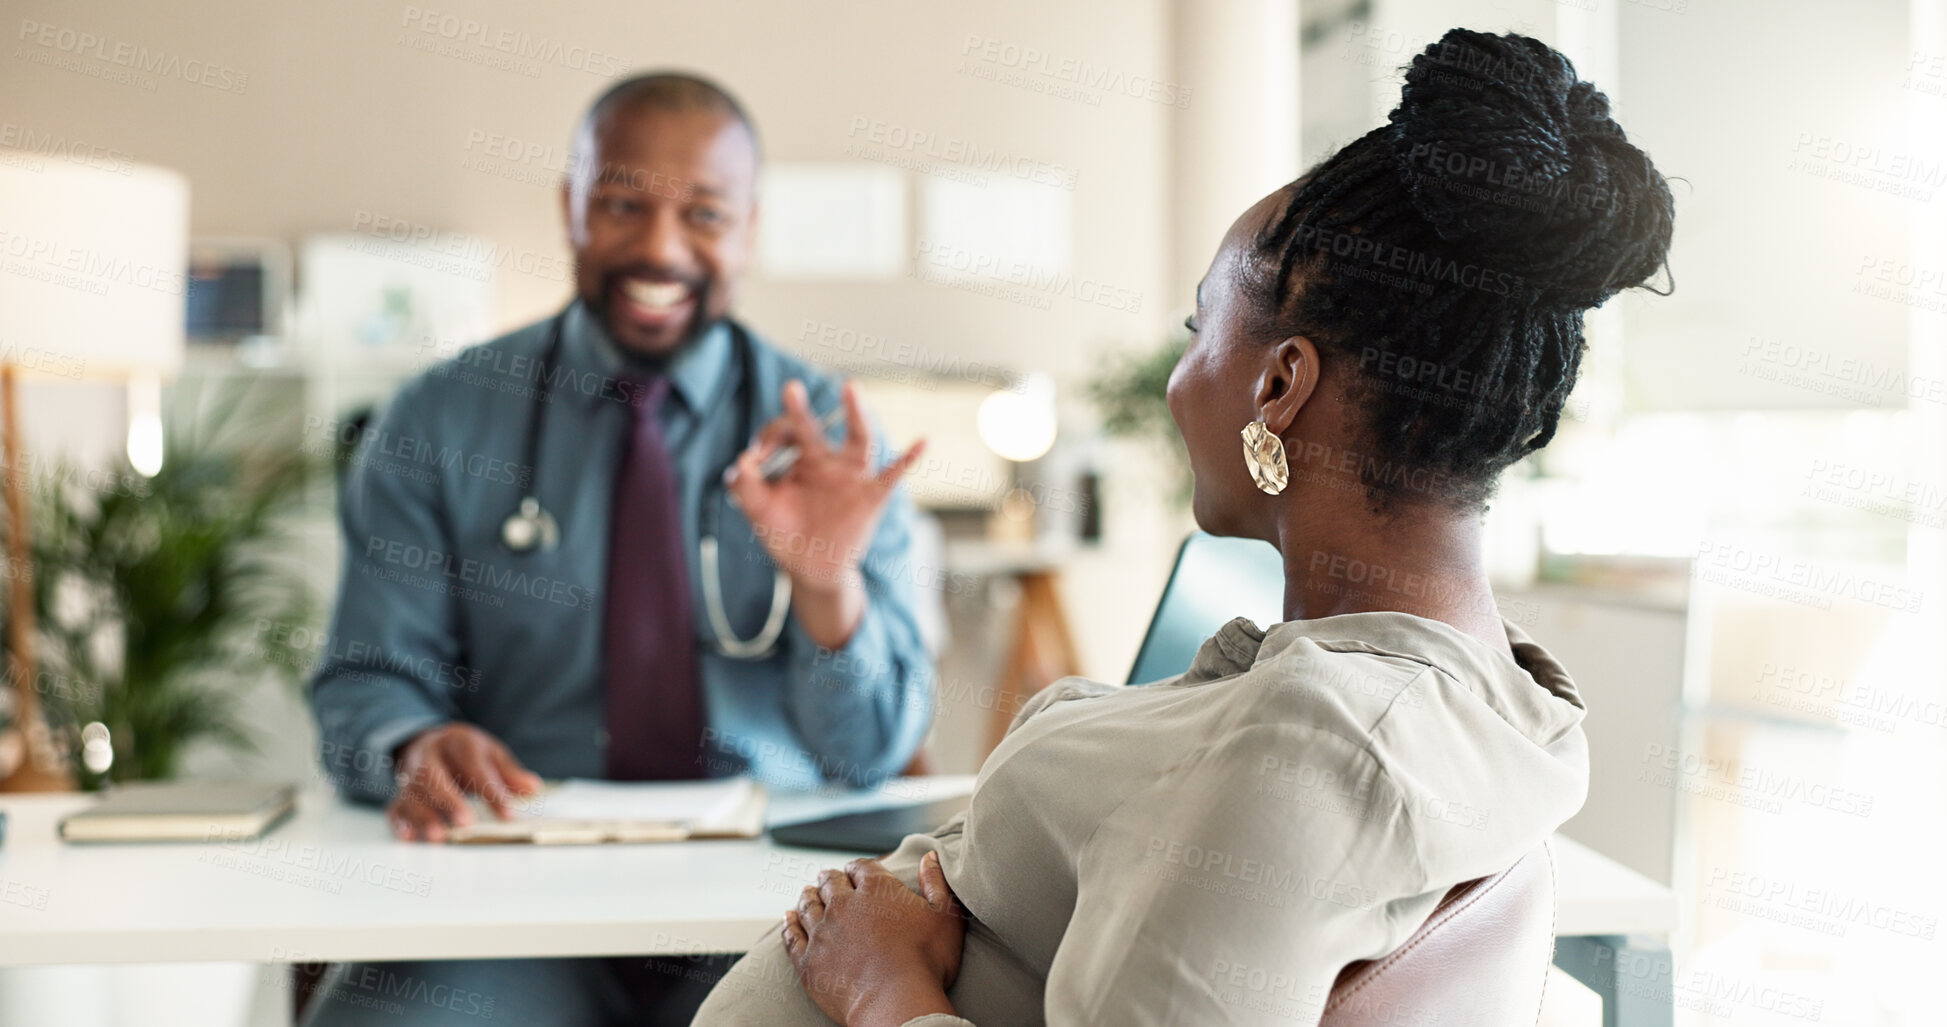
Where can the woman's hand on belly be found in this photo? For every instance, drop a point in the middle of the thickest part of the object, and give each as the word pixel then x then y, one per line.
pixel 869 951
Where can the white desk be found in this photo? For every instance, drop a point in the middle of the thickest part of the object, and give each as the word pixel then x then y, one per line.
pixel 332 884
pixel 1598 895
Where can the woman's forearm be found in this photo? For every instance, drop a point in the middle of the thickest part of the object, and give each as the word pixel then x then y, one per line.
pixel 891 1007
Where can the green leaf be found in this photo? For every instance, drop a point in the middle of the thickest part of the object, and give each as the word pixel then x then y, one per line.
pixel 170 575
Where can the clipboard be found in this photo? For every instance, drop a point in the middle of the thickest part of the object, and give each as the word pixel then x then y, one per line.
pixel 739 814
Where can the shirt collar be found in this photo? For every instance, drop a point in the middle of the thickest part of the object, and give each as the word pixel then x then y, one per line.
pixel 694 375
pixel 1532 691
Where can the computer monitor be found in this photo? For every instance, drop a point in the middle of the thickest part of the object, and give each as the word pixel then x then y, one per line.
pixel 1214 580
pixel 236 290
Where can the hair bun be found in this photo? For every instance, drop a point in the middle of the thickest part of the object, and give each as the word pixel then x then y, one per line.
pixel 1508 156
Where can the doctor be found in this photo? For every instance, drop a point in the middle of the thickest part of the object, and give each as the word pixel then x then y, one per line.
pixel 569 553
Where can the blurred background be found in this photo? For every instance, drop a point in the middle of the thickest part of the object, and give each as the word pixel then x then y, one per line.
pixel 993 215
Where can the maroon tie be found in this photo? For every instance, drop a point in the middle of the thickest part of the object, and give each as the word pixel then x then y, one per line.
pixel 655 705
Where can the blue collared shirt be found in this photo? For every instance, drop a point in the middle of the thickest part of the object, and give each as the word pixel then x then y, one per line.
pixel 438 621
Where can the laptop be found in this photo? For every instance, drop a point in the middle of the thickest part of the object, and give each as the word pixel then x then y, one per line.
pixel 1214 580
pixel 875 832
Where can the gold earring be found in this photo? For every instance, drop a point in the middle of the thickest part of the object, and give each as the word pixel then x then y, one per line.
pixel 1264 455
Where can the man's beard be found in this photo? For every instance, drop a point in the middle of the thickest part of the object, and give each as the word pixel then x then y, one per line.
pixel 700 322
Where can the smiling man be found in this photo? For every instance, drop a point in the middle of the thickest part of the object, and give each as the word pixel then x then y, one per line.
pixel 581 593
pixel 657 286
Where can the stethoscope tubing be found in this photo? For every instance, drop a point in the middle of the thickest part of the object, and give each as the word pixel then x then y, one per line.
pixel 531 527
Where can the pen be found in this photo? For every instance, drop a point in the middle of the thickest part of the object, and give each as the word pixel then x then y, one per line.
pixel 780 462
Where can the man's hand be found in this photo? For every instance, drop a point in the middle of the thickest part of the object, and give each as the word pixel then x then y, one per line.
pixel 869 951
pixel 440 767
pixel 816 522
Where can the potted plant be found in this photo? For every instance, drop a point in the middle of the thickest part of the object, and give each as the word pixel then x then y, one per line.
pixel 150 590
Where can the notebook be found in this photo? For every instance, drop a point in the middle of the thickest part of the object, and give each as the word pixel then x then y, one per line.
pixel 584 812
pixel 181 811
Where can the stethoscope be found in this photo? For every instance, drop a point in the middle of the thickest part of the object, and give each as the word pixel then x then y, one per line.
pixel 531 526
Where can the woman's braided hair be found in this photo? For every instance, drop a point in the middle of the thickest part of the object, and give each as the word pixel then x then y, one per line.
pixel 1452 251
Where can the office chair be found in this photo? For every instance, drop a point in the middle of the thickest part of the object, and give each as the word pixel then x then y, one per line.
pixel 1482 957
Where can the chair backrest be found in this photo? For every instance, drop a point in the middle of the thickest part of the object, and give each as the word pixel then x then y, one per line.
pixel 1481 958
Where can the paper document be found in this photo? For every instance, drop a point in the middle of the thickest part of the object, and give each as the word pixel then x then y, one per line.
pixel 583 799
pixel 580 811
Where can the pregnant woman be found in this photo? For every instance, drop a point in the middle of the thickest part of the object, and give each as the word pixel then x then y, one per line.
pixel 1388 334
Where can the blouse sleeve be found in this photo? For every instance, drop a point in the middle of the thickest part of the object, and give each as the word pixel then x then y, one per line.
pixel 1234 888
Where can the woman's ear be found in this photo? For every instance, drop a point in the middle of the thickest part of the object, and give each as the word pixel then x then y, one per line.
pixel 1289 377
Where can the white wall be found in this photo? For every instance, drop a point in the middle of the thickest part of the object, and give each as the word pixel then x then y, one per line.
pixel 1802 96
pixel 343 115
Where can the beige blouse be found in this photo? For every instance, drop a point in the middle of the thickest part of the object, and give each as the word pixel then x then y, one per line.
pixel 1214 848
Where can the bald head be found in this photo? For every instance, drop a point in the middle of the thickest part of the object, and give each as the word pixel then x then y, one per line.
pixel 670 92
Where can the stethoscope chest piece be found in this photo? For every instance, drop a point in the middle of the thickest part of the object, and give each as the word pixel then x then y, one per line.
pixel 530 527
